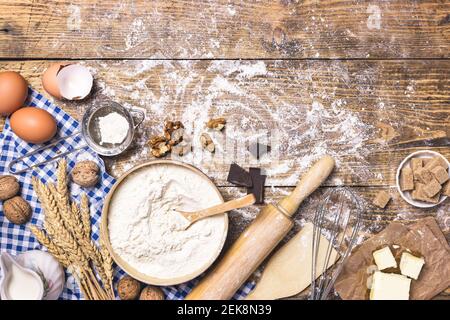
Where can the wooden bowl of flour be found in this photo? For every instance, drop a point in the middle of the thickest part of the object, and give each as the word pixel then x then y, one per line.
pixel 136 231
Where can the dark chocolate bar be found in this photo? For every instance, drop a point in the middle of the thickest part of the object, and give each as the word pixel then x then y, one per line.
pixel 258 184
pixel 239 176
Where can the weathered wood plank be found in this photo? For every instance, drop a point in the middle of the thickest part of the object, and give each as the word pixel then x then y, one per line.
pixel 224 29
pixel 374 219
pixel 354 110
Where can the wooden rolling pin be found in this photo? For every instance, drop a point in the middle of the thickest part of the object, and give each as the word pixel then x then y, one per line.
pixel 259 239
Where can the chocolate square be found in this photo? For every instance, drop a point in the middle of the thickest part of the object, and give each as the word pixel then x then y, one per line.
pixel 258 184
pixel 239 176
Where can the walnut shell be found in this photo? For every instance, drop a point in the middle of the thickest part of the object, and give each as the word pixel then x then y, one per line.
pixel 128 288
pixel 207 142
pixel 151 293
pixel 86 173
pixel 9 187
pixel 17 210
pixel 216 124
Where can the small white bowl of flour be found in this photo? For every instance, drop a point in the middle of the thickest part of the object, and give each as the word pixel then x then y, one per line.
pixel 145 234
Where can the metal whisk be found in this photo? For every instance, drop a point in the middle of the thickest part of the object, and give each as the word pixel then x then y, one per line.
pixel 338 218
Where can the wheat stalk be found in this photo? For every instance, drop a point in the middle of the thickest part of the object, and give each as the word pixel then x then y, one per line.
pixel 62 183
pixel 55 227
pixel 67 235
pixel 57 252
pixel 85 215
pixel 69 217
pixel 84 238
pixel 107 266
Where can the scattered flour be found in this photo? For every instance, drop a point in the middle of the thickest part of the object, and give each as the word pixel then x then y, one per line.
pixel 74 19
pixel 231 10
pixel 299 133
pixel 374 19
pixel 242 70
pixel 137 35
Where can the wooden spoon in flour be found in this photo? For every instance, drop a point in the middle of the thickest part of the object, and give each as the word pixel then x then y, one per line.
pixel 194 216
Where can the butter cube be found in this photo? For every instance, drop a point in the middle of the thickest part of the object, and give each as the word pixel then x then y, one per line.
pixel 384 259
pixel 410 265
pixel 389 286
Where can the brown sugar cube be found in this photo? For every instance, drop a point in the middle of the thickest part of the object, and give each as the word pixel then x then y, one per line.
pixel 446 189
pixel 432 188
pixel 435 162
pixel 416 164
pixel 426 161
pixel 406 179
pixel 419 194
pixel 424 175
pixel 440 174
pixel 434 199
pixel 442 163
pixel 382 199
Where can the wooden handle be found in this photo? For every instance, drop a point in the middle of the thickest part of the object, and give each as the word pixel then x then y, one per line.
pixel 244 256
pixel 315 176
pixel 248 200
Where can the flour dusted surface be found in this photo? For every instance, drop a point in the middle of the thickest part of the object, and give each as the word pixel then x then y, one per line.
pixel 148 234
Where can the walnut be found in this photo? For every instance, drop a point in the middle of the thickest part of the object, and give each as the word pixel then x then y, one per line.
pixel 17 210
pixel 173 132
pixel 9 187
pixel 207 142
pixel 86 173
pixel 216 124
pixel 172 135
pixel 182 149
pixel 151 293
pixel 160 146
pixel 156 140
pixel 128 288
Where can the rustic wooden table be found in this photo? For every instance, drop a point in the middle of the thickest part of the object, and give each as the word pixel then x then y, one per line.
pixel 353 79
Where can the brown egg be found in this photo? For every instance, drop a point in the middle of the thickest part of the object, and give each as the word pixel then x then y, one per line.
pixel 13 92
pixel 49 79
pixel 33 125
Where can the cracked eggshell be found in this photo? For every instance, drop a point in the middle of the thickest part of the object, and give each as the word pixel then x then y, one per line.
pixel 74 82
pixel 49 79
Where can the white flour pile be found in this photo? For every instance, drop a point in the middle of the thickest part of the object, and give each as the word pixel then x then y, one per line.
pixel 113 128
pixel 145 231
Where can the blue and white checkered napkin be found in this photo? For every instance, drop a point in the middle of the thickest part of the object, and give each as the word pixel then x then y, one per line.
pixel 17 238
